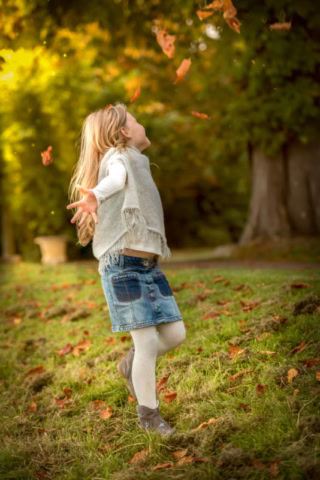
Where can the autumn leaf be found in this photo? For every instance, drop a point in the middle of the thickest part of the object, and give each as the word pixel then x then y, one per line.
pixel 136 95
pixel 300 285
pixel 139 456
pixel 260 388
pixel 166 42
pixel 163 465
pixel 281 26
pixel 201 115
pixel 46 156
pixel 179 454
pixel 203 15
pixel 291 374
pixel 234 350
pixel 182 70
pixel 205 424
pixel 105 413
pixel 161 383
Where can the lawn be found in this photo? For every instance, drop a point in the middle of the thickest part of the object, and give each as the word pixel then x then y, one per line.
pixel 242 391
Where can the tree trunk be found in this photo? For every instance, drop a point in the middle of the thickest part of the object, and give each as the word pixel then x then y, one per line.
pixel 285 194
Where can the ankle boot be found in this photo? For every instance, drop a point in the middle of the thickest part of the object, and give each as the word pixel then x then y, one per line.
pixel 125 369
pixel 150 419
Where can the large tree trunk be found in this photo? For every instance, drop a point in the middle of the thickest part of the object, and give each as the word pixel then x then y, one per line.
pixel 285 196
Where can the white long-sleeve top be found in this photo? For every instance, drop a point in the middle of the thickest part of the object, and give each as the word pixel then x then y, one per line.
pixel 109 185
pixel 112 183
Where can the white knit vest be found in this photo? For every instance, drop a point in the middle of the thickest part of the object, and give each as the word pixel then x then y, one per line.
pixel 132 216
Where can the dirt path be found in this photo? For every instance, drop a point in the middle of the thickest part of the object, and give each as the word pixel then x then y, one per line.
pixel 251 264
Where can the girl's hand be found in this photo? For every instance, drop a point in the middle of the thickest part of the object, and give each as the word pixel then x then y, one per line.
pixel 88 204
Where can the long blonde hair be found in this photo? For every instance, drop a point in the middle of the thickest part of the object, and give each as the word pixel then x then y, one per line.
pixel 100 132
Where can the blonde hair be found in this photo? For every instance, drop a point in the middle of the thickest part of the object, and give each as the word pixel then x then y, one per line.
pixel 100 132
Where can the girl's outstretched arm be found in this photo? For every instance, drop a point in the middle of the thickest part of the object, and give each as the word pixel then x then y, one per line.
pixel 93 197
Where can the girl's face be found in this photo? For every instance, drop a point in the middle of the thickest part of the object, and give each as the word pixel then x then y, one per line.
pixel 136 133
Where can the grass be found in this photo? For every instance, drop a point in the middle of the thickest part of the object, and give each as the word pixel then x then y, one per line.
pixel 297 249
pixel 264 422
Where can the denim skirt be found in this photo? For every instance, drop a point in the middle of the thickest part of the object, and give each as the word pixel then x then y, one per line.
pixel 138 293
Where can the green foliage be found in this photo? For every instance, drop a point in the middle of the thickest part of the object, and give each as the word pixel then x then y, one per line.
pixel 61 60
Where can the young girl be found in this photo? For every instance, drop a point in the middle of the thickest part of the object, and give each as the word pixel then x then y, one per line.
pixel 121 211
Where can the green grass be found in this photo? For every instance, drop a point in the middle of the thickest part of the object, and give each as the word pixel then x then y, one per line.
pixel 272 434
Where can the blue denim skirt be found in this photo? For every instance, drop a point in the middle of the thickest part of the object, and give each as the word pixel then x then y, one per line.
pixel 138 294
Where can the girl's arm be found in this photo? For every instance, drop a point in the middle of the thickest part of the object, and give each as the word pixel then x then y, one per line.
pixel 93 197
pixel 112 183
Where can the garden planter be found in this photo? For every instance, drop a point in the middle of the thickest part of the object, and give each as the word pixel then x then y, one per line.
pixel 53 249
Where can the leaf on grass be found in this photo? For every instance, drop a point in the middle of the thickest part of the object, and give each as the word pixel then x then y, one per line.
pixel 292 372
pixel 106 413
pixel 205 424
pixel 301 285
pixel 139 456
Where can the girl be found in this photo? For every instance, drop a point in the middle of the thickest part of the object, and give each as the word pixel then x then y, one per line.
pixel 121 211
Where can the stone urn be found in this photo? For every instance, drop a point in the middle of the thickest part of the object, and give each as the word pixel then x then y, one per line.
pixel 53 249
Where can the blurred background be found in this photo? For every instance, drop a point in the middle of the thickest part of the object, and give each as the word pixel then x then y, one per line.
pixel 242 179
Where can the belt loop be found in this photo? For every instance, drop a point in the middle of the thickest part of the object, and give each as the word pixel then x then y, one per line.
pixel 121 261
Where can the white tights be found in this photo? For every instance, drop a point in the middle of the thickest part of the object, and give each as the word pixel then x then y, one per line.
pixel 149 343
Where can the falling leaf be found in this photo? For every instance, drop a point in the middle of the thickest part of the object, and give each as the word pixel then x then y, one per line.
pixel 201 115
pixel 229 13
pixel 47 156
pixel 281 26
pixel 182 70
pixel 203 15
pixel 166 42
pixel 136 95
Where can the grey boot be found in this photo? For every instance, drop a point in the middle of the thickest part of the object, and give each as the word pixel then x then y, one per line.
pixel 125 369
pixel 150 419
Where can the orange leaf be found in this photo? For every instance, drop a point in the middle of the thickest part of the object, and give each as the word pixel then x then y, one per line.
pixel 47 156
pixel 106 413
pixel 169 397
pixel 166 42
pixel 281 26
pixel 139 456
pixel 136 95
pixel 300 285
pixel 203 15
pixel 163 465
pixel 201 115
pixel 182 70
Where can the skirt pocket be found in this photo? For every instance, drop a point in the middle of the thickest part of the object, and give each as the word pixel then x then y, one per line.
pixel 126 286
